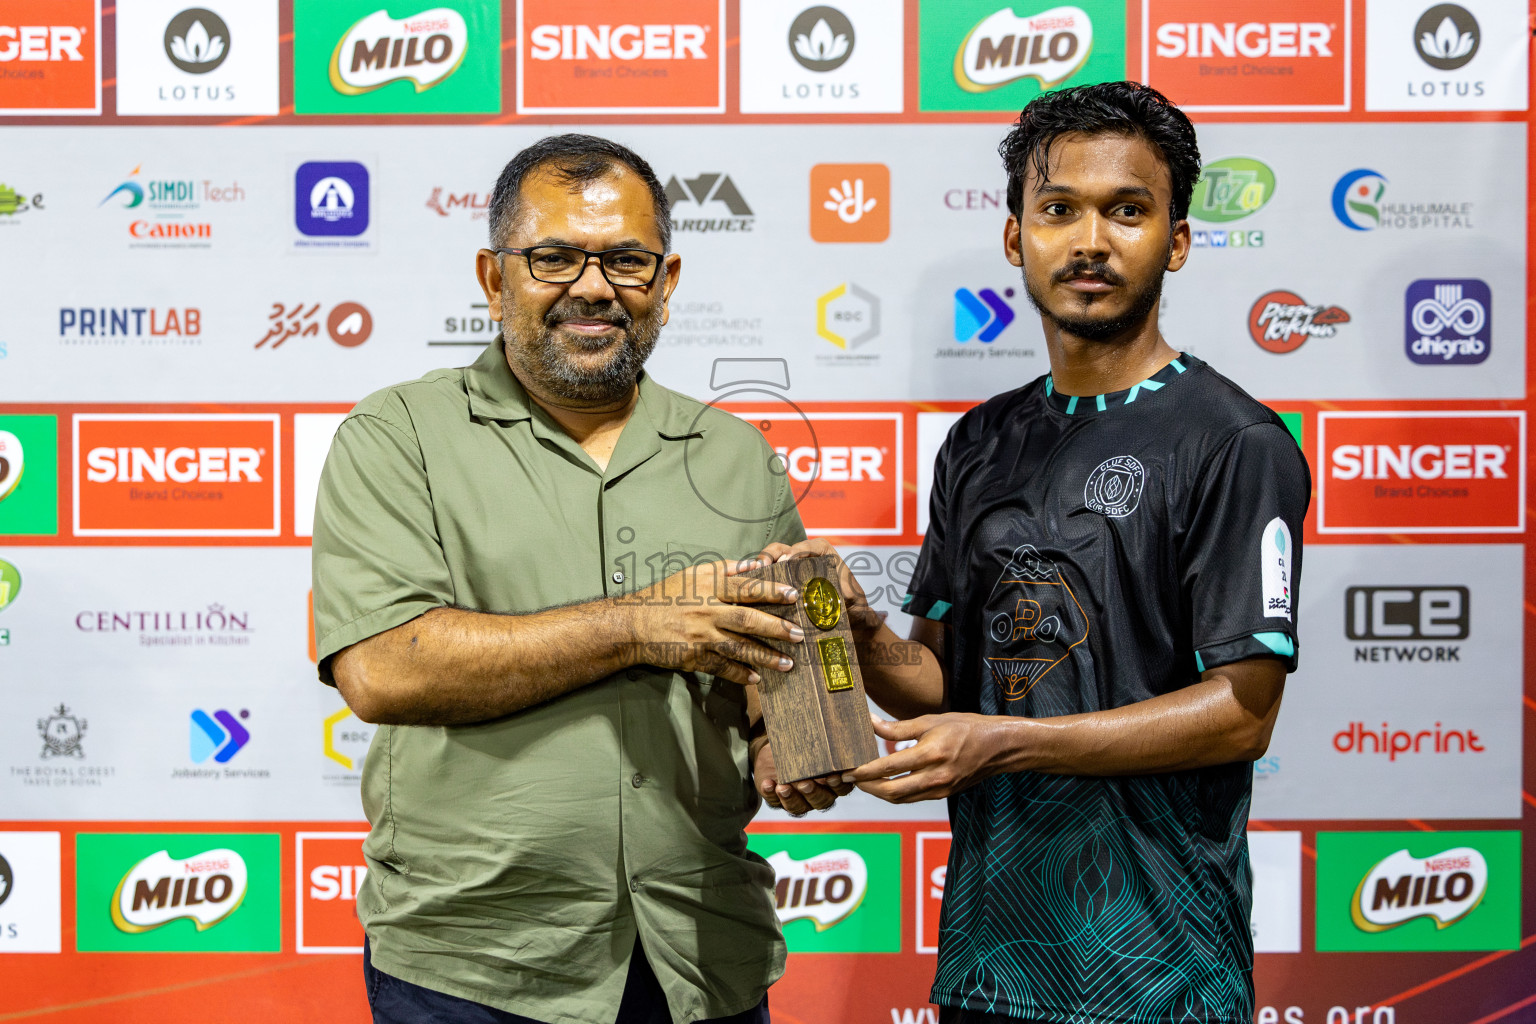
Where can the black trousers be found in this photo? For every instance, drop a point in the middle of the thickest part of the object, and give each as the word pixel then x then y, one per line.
pixel 393 1001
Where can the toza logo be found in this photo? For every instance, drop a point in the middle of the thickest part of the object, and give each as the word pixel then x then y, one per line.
pixel 1445 887
pixel 1114 487
pixel 197 40
pixel 1281 321
pixel 1450 322
pixel 1231 189
pixel 825 888
pixel 157 890
pixel 10 584
pixel 219 736
pixel 423 49
pixel 1446 37
pixel 1049 47
pixel 821 38
pixel 61 732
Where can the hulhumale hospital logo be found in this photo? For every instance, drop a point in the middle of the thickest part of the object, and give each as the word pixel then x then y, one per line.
pixel 1357 199
pixel 1359 204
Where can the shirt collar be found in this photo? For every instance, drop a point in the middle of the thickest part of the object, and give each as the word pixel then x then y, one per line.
pixel 1090 405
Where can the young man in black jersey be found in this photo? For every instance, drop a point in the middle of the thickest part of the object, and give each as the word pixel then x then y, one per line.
pixel 1104 614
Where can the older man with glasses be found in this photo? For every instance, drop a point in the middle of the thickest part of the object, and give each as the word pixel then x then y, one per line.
pixel 518 576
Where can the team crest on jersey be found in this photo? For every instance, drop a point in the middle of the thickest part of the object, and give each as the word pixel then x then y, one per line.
pixel 1038 621
pixel 1114 488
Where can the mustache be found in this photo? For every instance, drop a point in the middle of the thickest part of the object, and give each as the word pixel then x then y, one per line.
pixel 572 308
pixel 1084 267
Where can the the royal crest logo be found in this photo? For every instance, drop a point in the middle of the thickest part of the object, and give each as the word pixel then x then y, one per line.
pixel 825 888
pixel 424 49
pixel 157 890
pixel 1049 47
pixel 61 732
pixel 1114 488
pixel 1446 887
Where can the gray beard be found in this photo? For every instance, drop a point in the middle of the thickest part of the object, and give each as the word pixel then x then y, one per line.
pixel 546 362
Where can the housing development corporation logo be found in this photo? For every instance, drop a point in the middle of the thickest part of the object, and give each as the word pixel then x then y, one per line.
pixel 1275 568
pixel 50 57
pixel 1281 321
pixel 848 316
pixel 836 893
pixel 1449 321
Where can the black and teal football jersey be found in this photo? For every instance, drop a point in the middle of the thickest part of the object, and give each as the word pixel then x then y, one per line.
pixel 1093 552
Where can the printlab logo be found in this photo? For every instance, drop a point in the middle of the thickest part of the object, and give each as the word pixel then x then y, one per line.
pixel 197 40
pixel 821 39
pixel 982 315
pixel 1450 322
pixel 349 324
pixel 705 192
pixel 1114 487
pixel 13 202
pixel 850 202
pixel 330 198
pixel 219 736
pixel 848 316
pixel 1447 37
pixel 61 732
pixel 1281 321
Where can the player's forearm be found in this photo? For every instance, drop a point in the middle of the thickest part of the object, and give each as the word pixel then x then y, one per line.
pixel 1201 725
pixel 903 677
pixel 453 667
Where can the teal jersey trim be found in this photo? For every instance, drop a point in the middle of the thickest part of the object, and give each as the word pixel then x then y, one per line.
pixel 1078 405
pixel 938 611
pixel 1072 406
pixel 1199 662
pixel 1099 401
pixel 1280 643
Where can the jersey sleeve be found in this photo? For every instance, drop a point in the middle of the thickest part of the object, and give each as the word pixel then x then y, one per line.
pixel 1241 555
pixel 929 594
pixel 377 558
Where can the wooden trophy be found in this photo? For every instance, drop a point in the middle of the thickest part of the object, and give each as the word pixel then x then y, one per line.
pixel 817 714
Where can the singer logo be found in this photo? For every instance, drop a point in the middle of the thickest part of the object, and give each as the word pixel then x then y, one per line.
pixel 330 868
pixel 845 469
pixel 601 56
pixel 1421 472
pixel 177 475
pixel 157 890
pixel 50 57
pixel 1300 61
pixel 932 870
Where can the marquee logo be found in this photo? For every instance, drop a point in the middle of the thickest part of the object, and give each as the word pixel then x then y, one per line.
pixel 1421 472
pixel 157 890
pixel 1281 321
pixel 824 889
pixel 177 475
pixel 50 57
pixel 1049 47
pixel 1445 887
pixel 423 49
pixel 703 192
pixel 1449 322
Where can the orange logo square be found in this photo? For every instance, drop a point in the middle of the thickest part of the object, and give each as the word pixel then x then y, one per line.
pixel 1287 55
pixel 608 57
pixel 932 866
pixel 850 202
pixel 177 475
pixel 50 57
pixel 330 869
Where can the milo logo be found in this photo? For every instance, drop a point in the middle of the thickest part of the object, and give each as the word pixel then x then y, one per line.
pixel 825 889
pixel 1446 887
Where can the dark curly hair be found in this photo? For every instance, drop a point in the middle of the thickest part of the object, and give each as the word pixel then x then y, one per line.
pixel 1109 108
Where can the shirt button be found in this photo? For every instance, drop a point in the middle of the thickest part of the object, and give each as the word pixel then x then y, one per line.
pixel 618 576
pixel 637 780
pixel 635 884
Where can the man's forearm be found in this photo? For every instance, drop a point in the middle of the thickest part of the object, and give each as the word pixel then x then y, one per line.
pixel 903 677
pixel 452 667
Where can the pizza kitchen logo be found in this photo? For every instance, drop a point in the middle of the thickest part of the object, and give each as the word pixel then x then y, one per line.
pixel 1281 321
pixel 1049 47
pixel 824 889
pixel 157 890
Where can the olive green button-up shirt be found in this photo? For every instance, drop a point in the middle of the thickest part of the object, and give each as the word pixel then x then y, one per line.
pixel 513 862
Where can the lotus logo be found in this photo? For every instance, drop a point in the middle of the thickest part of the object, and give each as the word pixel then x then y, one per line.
pixel 197 40
pixel 1447 36
pixel 157 890
pixel 821 38
pixel 423 49
pixel 1446 887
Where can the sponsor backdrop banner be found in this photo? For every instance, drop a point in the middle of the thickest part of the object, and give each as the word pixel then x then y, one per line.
pixel 222 224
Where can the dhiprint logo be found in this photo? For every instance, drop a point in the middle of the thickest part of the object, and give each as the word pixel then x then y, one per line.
pixel 709 188
pixel 423 49
pixel 982 314
pixel 206 888
pixel 821 39
pixel 1114 487
pixel 850 202
pixel 1281 321
pixel 1450 322
pixel 1447 37
pixel 219 736
pixel 1231 189
pixel 1446 887
pixel 197 40
pixel 1049 47
pixel 331 198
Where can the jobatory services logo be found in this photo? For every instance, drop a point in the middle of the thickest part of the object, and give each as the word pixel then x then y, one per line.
pixel 1466 56
pixel 850 202
pixel 1359 203
pixel 330 203
pixel 1231 189
pixel 1418 891
pixel 177 475
pixel 220 735
pixel 986 55
pixel 1449 321
pixel 836 893
pixel 714 197
pixel 173 59
pixel 1281 321
pixel 178 892
pixel 609 57
pixel 29 476
pixel 1421 472
pixel 848 316
pixel 348 324
pixel 982 315
pixel 846 468
pixel 50 57
pixel 330 869
pixel 1294 56
pixel 30 890
pixel 836 58
pixel 356 57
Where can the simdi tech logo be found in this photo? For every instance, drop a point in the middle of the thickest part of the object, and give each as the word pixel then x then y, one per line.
pixel 612 57
pixel 987 55
pixel 364 57
pixel 50 57
pixel 29 476
pixel 1421 472
pixel 836 893
pixel 1281 57
pixel 202 60
pixel 178 892
pixel 177 475
pixel 1418 891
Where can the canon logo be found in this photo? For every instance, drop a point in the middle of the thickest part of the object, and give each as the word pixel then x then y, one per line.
pixel 624 42
pixel 1419 462
pixel 40 42
pixel 1252 39
pixel 180 465
pixel 836 463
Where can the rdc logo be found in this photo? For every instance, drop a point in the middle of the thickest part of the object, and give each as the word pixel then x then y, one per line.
pixel 1449 322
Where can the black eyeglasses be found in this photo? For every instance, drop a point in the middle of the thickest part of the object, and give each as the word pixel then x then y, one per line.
pixel 563 264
